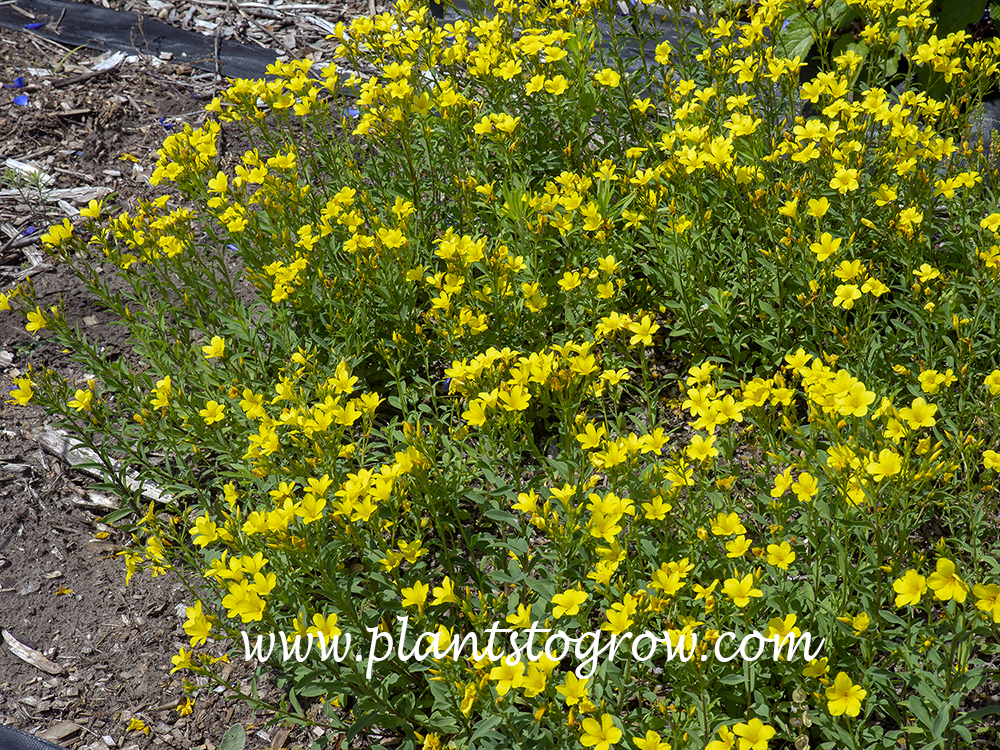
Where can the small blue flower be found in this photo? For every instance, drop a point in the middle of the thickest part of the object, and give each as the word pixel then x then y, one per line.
pixel 18 83
pixel 167 125
pixel 21 101
pixel 29 230
pixel 33 26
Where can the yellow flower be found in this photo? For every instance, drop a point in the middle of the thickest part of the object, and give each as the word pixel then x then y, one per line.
pixel 643 331
pixel 889 463
pixel 780 555
pixel 727 525
pixel 701 449
pixel 520 619
pixel 58 234
pixel 991 460
pixel 516 399
pixel 993 383
pixel 663 51
pixel 818 207
pixel 848 270
pixel 910 217
pixel 205 531
pixel 36 320
pixel 926 272
pixel 652 741
pixel 392 238
pixel 816 668
pixel 859 622
pixel 93 209
pixel 790 208
pixel 805 487
pixel 932 380
pixel 415 595
pixel 445 593
pixel 244 602
pixel 186 707
pixel 737 547
pixel 216 348
pixel 137 725
pixel 845 295
pixel 23 393
pixel 591 436
pixel 988 599
pixel 740 590
pixel 608 77
pixel 181 660
pixel 945 584
pixel 568 602
pixel 81 400
pixel 909 588
pixel 573 689
pixel 782 627
pixel 570 280
pixel 845 180
pixel 161 395
pixel 213 412
pixel 534 681
pixel 556 85
pixel 600 735
pixel 919 414
pixel 197 625
pixel 827 245
pixel 535 84
pixel 507 676
pixel 844 697
pixel 991 222
pixel 727 740
pixel 754 735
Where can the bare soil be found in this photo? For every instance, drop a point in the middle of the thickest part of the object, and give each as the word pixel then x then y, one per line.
pixel 62 584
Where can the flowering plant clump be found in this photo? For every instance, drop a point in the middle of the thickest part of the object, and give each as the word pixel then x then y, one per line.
pixel 546 340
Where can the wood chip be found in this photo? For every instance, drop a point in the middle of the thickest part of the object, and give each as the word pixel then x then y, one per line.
pixel 96 500
pixel 79 195
pixel 23 12
pixel 61 731
pixel 71 450
pixel 29 655
pixel 30 171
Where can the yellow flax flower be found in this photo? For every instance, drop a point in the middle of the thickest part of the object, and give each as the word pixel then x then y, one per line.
pixel 216 348
pixel 945 583
pixel 844 697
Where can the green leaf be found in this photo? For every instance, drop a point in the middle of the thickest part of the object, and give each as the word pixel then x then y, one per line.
pixel 366 720
pixel 892 618
pixel 957 14
pixel 503 516
pixel 941 721
pixel 975 716
pixel 919 712
pixel 235 738
pixel 116 515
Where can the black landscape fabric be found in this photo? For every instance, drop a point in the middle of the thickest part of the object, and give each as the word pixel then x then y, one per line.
pixel 75 24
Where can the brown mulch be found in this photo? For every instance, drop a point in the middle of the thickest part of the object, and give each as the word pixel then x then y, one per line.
pixel 62 586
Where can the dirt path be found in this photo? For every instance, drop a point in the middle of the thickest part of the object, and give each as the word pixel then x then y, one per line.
pixel 62 587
